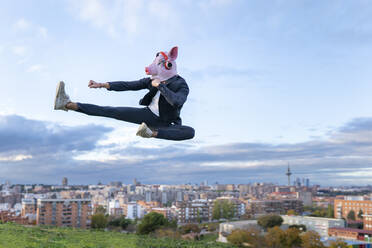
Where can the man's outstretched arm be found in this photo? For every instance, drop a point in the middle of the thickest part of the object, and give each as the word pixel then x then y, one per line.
pixel 143 83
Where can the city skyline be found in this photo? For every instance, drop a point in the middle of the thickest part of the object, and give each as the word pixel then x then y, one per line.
pixel 270 83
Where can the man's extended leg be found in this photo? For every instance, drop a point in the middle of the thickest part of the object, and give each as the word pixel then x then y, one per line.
pixel 128 114
pixel 175 132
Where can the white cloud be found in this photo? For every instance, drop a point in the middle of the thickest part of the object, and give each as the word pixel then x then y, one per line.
pixel 206 5
pixel 22 24
pixel 132 11
pixel 117 140
pixel 94 12
pixel 35 68
pixel 19 50
pixel 43 32
pixel 15 158
pixel 130 16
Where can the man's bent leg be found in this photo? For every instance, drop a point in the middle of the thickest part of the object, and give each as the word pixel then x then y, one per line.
pixel 175 132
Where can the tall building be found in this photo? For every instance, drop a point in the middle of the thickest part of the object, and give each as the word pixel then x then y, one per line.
pixel 179 196
pixel 64 212
pixel 164 197
pixel 133 211
pixel 288 174
pixel 148 196
pixel 64 181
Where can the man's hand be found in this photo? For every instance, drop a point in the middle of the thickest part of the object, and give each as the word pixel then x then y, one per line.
pixel 155 82
pixel 95 85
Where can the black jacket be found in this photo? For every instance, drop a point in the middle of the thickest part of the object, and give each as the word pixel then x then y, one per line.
pixel 173 94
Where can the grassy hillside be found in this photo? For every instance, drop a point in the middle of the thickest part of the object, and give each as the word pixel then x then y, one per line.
pixel 12 235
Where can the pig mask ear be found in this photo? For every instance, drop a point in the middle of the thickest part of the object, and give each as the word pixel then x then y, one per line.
pixel 173 53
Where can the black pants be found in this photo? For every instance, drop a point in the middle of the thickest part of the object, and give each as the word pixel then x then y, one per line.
pixel 138 115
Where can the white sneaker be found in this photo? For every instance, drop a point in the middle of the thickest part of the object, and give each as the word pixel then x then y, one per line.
pixel 61 98
pixel 144 131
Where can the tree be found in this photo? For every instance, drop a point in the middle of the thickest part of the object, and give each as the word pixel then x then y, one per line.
pixel 212 226
pixel 330 211
pixel 250 237
pixel 99 221
pixel 351 215
pixel 292 238
pixel 151 222
pixel 238 237
pixel 311 239
pixel 300 227
pixel 338 244
pixel 269 221
pixel 291 212
pixel 223 209
pixel 119 222
pixel 100 210
pixel 189 228
pixel 360 214
pixel 216 212
pixel 228 209
pixel 275 237
pixel 124 223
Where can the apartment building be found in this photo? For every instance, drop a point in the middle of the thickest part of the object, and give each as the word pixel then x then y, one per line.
pixel 133 210
pixel 275 206
pixel 64 212
pixel 194 211
pixel 342 207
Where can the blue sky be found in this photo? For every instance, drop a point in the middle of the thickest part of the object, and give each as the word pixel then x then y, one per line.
pixel 271 82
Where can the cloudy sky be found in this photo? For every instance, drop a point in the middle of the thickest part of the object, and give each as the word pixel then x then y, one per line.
pixel 272 82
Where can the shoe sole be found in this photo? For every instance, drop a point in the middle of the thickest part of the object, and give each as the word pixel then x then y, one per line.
pixel 142 130
pixel 58 90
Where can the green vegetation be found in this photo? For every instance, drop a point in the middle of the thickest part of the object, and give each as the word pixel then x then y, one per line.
pixel 121 222
pixel 360 214
pixel 311 239
pixel 189 228
pixel 151 222
pixel 269 221
pixel 300 227
pixel 276 238
pixel 16 236
pixel 351 215
pixel 99 221
pixel 242 238
pixel 321 212
pixel 338 244
pixel 223 209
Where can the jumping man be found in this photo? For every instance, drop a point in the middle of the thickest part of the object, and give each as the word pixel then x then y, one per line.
pixel 161 116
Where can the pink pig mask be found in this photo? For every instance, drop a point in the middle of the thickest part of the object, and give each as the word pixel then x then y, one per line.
pixel 164 65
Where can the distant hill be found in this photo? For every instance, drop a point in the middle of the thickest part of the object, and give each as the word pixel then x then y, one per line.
pixel 17 236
